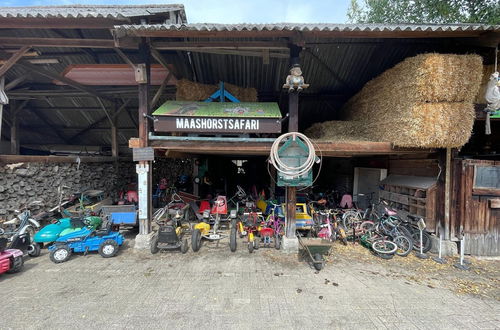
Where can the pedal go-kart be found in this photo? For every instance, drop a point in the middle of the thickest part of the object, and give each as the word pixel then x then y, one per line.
pixel 210 227
pixel 11 260
pixel 303 220
pixel 105 241
pixel 51 232
pixel 171 231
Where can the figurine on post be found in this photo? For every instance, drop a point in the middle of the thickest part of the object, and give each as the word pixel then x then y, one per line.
pixel 295 80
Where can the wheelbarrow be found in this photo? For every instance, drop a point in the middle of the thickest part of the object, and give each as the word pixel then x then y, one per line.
pixel 316 248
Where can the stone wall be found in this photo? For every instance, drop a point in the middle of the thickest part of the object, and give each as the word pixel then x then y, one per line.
pixel 25 182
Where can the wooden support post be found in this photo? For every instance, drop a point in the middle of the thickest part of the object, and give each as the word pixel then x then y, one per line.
pixel 293 126
pixel 2 84
pixel 145 184
pixel 114 133
pixel 447 194
pixel 14 131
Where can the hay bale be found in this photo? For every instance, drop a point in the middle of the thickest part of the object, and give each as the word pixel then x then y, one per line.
pixel 337 131
pixel 191 91
pixel 424 101
pixel 427 78
pixel 430 125
pixel 487 71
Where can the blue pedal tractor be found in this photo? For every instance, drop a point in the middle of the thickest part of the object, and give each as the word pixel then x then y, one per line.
pixel 104 240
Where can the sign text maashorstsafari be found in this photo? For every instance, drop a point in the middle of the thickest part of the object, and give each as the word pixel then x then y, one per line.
pixel 218 117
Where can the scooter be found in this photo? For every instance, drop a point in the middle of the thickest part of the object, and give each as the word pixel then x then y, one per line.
pixel 21 225
pixel 11 260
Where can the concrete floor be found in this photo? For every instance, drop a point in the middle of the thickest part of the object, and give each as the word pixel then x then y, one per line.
pixel 217 289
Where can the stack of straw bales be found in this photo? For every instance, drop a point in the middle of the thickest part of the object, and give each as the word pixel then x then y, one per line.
pixel 191 91
pixel 425 101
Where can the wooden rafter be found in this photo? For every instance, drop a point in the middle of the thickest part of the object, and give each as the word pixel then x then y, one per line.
pixel 57 42
pixel 13 59
pixel 212 45
pixel 97 123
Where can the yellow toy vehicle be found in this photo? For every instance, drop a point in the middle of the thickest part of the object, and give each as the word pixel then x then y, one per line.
pixel 303 219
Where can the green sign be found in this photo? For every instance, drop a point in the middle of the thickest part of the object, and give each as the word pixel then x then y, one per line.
pixel 219 109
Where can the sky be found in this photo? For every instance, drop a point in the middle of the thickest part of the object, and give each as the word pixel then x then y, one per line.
pixel 235 11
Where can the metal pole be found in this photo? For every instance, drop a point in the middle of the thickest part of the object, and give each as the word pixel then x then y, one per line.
pixel 462 265
pixel 439 259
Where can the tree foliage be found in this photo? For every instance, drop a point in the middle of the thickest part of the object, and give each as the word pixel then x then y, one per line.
pixel 424 11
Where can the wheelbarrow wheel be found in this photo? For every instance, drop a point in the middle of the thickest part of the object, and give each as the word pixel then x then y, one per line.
pixel 196 240
pixel 318 261
pixel 232 239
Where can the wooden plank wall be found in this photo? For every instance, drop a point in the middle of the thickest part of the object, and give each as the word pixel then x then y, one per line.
pixel 472 213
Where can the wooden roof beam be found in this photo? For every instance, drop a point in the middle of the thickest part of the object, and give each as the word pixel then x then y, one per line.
pixel 211 45
pixel 13 59
pixel 59 23
pixel 60 42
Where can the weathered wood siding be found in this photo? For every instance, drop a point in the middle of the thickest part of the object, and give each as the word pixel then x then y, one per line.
pixel 475 212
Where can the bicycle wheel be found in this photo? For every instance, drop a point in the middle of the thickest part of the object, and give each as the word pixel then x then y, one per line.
pixel 405 245
pixel 350 218
pixel 426 239
pixel 366 226
pixel 384 246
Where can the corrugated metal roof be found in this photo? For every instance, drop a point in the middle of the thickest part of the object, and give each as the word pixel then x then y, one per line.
pixel 327 27
pixel 89 11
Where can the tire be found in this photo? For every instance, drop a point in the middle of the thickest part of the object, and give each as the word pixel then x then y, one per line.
pixel 34 250
pixel 184 246
pixel 405 245
pixel 154 245
pixel 277 242
pixel 17 265
pixel 349 219
pixel 384 246
pixel 196 240
pixel 426 239
pixel 256 243
pixel 60 254
pixel 232 239
pixel 109 248
pixel 384 256
pixel 367 226
pixel 318 261
pixel 250 247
